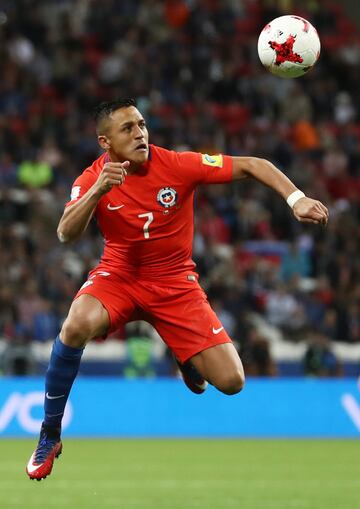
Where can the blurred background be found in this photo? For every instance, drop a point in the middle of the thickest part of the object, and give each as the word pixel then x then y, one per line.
pixel 287 293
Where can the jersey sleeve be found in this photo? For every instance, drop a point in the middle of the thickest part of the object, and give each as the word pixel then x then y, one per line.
pixel 81 185
pixel 204 168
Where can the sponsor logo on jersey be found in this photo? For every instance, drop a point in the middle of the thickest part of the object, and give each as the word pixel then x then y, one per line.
pixel 75 193
pixel 215 161
pixel 167 197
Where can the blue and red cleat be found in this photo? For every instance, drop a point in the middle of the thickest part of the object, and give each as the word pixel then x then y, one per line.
pixel 42 459
pixel 192 378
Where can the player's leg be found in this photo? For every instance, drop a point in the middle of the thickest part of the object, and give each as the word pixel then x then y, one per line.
pixel 185 320
pixel 221 366
pixel 97 308
pixel 87 319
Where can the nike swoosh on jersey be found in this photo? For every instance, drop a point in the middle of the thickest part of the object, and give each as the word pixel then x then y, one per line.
pixel 216 331
pixel 114 207
pixel 54 397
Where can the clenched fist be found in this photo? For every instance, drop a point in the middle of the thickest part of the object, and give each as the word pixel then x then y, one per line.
pixel 308 210
pixel 113 174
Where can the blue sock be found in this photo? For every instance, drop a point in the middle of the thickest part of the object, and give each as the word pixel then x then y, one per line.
pixel 63 367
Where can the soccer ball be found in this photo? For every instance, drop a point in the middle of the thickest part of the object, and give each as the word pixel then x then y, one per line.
pixel 289 46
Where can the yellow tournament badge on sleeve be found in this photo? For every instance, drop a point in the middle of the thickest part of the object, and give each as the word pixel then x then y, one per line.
pixel 215 161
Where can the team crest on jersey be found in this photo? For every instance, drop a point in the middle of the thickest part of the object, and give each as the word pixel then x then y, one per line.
pixel 167 197
pixel 215 161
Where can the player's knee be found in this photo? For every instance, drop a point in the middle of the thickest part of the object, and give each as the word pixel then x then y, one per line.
pixel 231 382
pixel 76 331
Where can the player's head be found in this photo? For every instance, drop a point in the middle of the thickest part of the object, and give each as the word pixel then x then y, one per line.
pixel 122 131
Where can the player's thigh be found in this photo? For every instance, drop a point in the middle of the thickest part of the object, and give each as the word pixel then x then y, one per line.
pixel 221 365
pixel 187 323
pixel 87 319
pixel 103 304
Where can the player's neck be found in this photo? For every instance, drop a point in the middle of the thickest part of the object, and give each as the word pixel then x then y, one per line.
pixel 133 168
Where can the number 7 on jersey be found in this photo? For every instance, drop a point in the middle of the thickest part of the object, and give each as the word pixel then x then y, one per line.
pixel 150 219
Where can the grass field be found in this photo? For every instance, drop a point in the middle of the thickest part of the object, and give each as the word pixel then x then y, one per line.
pixel 186 474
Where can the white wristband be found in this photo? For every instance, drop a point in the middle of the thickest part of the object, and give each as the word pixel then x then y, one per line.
pixel 294 197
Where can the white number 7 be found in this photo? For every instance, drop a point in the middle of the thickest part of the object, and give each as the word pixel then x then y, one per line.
pixel 150 219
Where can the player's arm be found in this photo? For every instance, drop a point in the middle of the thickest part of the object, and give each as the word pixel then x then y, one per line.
pixel 77 215
pixel 304 209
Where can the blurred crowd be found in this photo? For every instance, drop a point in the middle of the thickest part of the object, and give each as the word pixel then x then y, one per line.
pixel 193 67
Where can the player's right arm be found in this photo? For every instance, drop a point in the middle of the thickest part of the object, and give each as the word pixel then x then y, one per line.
pixel 80 210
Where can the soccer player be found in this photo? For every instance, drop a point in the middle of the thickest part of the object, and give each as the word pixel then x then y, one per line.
pixel 142 198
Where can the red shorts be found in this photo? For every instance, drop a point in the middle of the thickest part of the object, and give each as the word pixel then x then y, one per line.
pixel 176 307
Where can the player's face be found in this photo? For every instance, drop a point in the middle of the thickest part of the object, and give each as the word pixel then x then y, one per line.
pixel 127 138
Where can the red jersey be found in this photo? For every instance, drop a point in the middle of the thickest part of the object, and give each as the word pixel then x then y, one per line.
pixel 148 221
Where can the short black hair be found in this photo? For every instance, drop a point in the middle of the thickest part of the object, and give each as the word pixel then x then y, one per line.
pixel 104 109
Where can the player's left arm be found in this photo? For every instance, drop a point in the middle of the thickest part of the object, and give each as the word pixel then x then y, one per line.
pixel 305 209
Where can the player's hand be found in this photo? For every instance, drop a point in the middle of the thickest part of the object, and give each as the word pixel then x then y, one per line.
pixel 113 174
pixel 307 210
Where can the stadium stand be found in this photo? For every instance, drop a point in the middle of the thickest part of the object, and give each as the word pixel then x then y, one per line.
pixel 281 288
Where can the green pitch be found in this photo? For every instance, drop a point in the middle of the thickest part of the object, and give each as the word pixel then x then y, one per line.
pixel 186 474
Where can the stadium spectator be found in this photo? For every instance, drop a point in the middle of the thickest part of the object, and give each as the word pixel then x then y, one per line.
pixel 256 355
pixel 139 348
pixel 319 359
pixel 295 262
pixel 284 311
pixel 35 173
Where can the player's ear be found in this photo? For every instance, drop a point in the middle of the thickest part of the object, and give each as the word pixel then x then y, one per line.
pixel 104 142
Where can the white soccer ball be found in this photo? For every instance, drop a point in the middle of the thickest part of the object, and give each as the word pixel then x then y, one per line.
pixel 289 46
